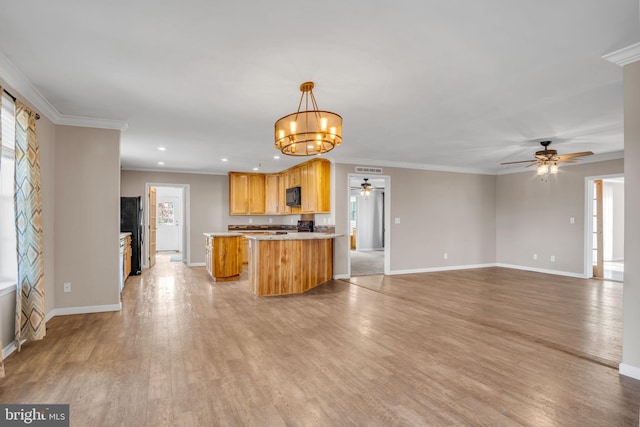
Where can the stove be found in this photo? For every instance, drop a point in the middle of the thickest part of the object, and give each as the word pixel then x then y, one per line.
pixel 305 226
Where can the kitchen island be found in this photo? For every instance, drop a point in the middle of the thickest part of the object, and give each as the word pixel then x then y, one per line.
pixel 223 255
pixel 292 263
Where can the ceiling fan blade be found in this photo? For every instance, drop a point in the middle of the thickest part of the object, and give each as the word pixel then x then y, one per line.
pixel 521 161
pixel 568 161
pixel 572 155
pixel 532 164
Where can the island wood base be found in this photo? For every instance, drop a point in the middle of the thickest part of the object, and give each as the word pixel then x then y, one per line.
pixel 281 267
pixel 224 256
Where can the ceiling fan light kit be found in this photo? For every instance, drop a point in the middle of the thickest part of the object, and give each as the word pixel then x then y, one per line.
pixel 365 188
pixel 308 132
pixel 548 159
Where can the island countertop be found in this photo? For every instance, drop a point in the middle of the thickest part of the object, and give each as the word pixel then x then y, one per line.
pixel 294 236
pixel 222 234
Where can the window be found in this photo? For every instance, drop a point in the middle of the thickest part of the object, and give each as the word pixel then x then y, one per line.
pixel 8 258
pixel 165 213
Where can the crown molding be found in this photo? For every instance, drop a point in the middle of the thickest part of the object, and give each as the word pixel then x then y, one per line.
pixel 421 166
pixel 20 83
pixel 624 56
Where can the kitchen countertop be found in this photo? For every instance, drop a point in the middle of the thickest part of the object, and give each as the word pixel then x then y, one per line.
pixel 295 236
pixel 222 234
pixel 123 235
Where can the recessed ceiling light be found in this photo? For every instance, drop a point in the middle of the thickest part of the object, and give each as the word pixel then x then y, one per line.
pixel 162 148
pixel 225 159
pixel 276 157
pixel 255 169
pixel 161 163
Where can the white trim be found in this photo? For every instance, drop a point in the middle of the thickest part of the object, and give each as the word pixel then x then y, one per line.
pixel 543 270
pixel 6 352
pixel 629 371
pixel 445 268
pixel 83 310
pixel 15 78
pixel 186 221
pixel 588 220
pixel 624 56
pixel 196 264
pixel 7 288
pixel 341 276
pixel 387 221
pixel 163 170
pixel 407 165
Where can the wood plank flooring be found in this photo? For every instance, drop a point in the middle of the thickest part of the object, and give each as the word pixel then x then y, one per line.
pixel 476 347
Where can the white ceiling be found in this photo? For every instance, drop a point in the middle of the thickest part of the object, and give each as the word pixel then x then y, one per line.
pixel 461 84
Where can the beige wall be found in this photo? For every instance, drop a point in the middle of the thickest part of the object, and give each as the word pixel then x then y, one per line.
pixel 533 217
pixel 631 310
pixel 46 137
pixel 439 212
pixel 87 216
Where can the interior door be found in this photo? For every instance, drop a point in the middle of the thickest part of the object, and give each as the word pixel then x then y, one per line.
pixel 598 240
pixel 153 224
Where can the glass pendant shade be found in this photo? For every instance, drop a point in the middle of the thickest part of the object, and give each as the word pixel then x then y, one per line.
pixel 308 132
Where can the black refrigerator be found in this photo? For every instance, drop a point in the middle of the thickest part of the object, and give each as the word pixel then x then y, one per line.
pixel 131 221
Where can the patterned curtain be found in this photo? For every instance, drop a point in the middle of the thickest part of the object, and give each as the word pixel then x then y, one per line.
pixel 30 309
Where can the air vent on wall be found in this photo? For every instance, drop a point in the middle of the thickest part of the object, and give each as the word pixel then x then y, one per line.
pixel 368 169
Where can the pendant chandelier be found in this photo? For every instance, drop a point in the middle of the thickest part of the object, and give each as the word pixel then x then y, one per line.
pixel 308 132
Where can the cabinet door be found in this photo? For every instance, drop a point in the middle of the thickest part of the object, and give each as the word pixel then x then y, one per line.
pixel 256 194
pixel 238 193
pixel 309 193
pixel 272 192
pixel 283 184
pixel 294 177
pixel 322 185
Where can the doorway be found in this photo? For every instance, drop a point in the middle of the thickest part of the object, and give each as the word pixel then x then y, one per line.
pixel 368 225
pixel 169 212
pixel 605 228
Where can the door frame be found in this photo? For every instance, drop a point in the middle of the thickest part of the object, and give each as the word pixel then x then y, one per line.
pixel 186 219
pixel 588 220
pixel 387 219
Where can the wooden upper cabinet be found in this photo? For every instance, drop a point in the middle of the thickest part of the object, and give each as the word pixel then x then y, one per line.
pixel 246 193
pixel 316 186
pixel 266 194
pixel 272 194
pixel 238 193
pixel 256 194
pixel 283 184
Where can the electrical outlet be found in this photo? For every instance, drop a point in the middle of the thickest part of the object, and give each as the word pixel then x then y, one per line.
pixel 67 287
pixel 535 256
pixel 250 220
pixel 572 220
pixel 270 220
pixel 397 220
pixel 446 255
pixel 553 258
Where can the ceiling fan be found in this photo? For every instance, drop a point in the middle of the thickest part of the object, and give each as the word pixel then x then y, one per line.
pixel 366 187
pixel 548 159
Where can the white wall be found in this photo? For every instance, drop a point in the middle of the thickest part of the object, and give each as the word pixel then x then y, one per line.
pixel 369 217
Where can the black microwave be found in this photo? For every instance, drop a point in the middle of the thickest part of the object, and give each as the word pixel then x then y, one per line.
pixel 293 196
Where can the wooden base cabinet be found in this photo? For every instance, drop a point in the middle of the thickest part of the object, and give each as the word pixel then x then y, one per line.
pixel 127 257
pixel 224 256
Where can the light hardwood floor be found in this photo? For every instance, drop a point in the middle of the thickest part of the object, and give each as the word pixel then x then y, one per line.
pixel 476 347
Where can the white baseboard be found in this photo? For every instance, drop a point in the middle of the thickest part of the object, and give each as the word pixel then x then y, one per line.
pixel 434 269
pixel 83 310
pixel 196 264
pixel 10 349
pixel 340 276
pixel 629 371
pixel 543 270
